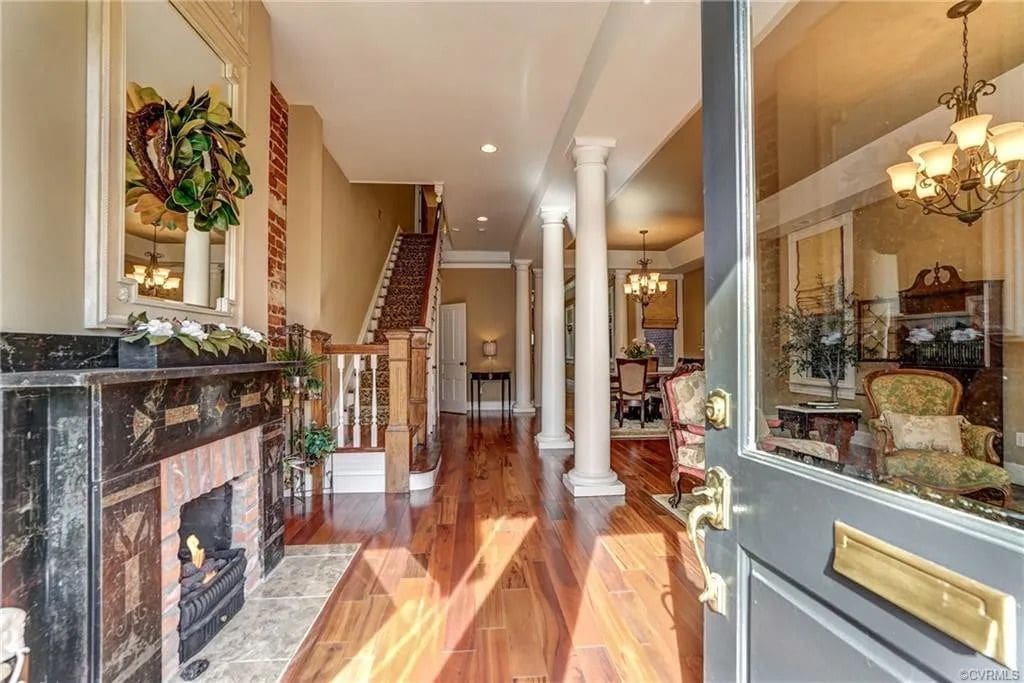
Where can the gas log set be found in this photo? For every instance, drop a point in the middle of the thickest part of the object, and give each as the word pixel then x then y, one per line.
pixel 212 572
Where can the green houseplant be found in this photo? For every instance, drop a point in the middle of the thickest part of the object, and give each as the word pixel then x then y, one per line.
pixel 318 442
pixel 821 340
pixel 184 162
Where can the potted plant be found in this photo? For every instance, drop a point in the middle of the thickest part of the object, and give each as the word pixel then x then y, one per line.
pixel 318 442
pixel 820 340
pixel 314 387
pixel 304 367
pixel 168 343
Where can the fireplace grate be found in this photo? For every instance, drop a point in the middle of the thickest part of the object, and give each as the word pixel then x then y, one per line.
pixel 203 613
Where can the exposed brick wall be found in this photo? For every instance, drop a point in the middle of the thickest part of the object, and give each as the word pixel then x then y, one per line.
pixel 277 219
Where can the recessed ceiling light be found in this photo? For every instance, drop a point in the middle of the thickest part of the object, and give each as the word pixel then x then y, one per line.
pixel 488 148
pixel 481 219
pixel 481 229
pixel 456 229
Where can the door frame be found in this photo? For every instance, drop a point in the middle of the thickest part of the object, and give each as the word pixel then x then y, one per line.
pixel 441 343
pixel 767 488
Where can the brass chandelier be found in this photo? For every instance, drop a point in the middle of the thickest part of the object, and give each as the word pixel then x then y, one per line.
pixel 981 170
pixel 154 279
pixel 645 285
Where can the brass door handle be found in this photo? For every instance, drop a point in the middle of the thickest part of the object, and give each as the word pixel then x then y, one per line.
pixel 716 511
pixel 716 409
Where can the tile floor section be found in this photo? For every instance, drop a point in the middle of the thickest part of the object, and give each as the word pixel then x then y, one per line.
pixel 256 646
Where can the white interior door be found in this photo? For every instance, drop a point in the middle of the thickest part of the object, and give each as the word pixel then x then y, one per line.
pixel 453 358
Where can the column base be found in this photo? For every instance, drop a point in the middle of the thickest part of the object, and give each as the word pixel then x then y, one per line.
pixel 527 409
pixel 584 486
pixel 545 442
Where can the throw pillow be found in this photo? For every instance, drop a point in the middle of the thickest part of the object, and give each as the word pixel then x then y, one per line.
pixel 926 432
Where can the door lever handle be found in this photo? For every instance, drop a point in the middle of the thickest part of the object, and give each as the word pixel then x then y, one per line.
pixel 716 510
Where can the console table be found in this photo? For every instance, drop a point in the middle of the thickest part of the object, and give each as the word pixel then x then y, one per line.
pixel 478 377
pixel 835 425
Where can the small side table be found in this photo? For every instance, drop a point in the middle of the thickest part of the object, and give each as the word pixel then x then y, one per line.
pixel 478 377
pixel 835 425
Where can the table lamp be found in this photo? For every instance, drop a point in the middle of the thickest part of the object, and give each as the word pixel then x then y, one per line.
pixel 490 349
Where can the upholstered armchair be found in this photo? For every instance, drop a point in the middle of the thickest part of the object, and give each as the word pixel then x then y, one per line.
pixel 683 395
pixel 910 445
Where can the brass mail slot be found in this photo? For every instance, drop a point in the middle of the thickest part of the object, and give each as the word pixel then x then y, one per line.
pixel 977 615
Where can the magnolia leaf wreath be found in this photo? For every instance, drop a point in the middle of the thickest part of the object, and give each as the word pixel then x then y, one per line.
pixel 184 158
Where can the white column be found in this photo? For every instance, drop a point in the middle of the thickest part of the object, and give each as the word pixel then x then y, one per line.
pixel 216 279
pixel 196 284
pixel 524 398
pixel 592 474
pixel 552 414
pixel 538 327
pixel 621 309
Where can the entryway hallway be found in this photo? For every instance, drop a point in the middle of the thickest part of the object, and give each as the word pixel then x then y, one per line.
pixel 498 574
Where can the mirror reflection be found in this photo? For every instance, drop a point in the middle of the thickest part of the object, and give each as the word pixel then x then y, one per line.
pixel 890 244
pixel 184 171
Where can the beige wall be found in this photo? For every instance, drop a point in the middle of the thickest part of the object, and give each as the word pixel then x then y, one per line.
pixel 359 224
pixel 42 224
pixel 305 223
pixel 490 314
pixel 42 220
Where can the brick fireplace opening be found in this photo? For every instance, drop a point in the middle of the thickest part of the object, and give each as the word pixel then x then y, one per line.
pixel 220 483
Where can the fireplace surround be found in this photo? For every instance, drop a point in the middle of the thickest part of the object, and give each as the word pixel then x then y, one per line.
pixel 97 464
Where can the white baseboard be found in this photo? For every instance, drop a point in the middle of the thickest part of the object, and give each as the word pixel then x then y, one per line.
pixel 364 473
pixel 1016 471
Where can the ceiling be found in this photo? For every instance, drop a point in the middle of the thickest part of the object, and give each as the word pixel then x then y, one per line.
pixel 408 92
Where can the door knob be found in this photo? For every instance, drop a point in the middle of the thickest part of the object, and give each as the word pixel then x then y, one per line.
pixel 716 409
pixel 716 510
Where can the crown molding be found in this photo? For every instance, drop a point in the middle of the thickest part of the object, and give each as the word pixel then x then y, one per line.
pixel 467 258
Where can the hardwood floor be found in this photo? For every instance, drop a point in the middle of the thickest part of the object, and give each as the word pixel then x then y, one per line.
pixel 497 574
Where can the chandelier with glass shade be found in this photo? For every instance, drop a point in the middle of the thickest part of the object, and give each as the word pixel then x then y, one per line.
pixel 152 277
pixel 645 285
pixel 976 167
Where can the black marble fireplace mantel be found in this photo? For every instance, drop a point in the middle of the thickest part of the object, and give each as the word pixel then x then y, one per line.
pixel 76 445
pixel 104 376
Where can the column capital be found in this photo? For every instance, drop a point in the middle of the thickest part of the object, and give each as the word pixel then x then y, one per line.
pixel 522 263
pixel 537 272
pixel 621 272
pixel 553 215
pixel 591 150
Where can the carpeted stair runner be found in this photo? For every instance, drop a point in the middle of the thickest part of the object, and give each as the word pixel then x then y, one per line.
pixel 407 289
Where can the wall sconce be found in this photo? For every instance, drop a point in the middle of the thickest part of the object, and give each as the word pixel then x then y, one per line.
pixel 490 349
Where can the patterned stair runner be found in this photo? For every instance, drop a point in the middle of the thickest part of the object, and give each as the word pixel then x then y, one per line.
pixel 403 304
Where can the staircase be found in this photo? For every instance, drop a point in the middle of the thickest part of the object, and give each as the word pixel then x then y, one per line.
pixel 402 302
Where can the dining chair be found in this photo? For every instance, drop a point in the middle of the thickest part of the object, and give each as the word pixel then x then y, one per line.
pixel 632 389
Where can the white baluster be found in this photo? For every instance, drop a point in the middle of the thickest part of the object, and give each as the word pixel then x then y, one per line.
pixel 373 400
pixel 341 409
pixel 357 427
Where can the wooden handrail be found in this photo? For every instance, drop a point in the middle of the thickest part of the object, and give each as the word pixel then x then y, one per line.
pixel 371 349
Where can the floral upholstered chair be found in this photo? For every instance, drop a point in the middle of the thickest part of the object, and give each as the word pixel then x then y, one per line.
pixel 921 438
pixel 683 394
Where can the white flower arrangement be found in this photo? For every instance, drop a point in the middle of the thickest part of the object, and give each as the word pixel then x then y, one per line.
pixel 193 335
pixel 639 348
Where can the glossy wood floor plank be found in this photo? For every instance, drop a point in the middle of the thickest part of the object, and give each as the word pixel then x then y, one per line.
pixel 497 574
